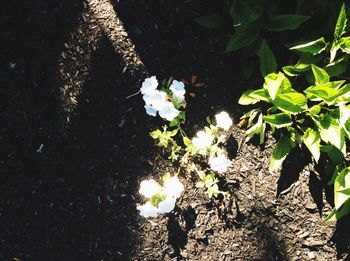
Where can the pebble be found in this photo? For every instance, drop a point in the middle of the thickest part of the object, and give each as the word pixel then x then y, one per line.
pixel 312 255
pixel 314 243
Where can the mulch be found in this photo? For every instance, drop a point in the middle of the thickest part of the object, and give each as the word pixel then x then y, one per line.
pixel 74 149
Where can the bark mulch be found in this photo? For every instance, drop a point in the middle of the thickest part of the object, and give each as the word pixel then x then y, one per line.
pixel 74 149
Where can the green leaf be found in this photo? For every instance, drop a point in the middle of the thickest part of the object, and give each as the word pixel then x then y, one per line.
pixel 344 114
pixel 279 120
pixel 244 36
pixel 155 134
pixel 316 109
pixel 337 67
pixel 330 131
pixel 246 99
pixel 344 44
pixel 286 22
pixel 313 47
pixel 260 94
pixel 251 115
pixel 257 128
pixel 321 76
pixel 283 147
pixel 173 132
pixel 295 137
pixel 342 182
pixel 340 27
pixel 312 141
pixel 333 153
pixel 267 59
pixel 334 49
pixel 326 91
pixel 302 65
pixel 210 21
pixel 295 70
pixel 273 82
pixel 245 12
pixel 187 141
pixel 344 92
pixel 338 214
pixel 292 102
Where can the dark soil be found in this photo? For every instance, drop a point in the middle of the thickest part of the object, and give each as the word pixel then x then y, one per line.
pixel 74 149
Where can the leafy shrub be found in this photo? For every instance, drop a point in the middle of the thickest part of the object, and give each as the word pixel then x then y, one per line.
pixel 257 23
pixel 315 117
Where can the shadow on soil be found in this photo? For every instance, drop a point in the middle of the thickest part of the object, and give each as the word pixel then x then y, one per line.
pixel 291 170
pixel 271 247
pixel 64 195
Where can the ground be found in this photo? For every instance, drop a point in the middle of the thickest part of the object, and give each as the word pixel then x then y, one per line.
pixel 68 189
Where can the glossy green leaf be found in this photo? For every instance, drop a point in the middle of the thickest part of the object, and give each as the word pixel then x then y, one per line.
pixel 340 27
pixel 295 70
pixel 286 22
pixel 326 91
pixel 243 37
pixel 342 182
pixel 267 59
pixel 321 76
pixel 312 141
pixel 210 21
pixel 246 99
pixel 337 67
pixel 292 102
pixel 313 47
pixel 331 132
pixel 283 147
pixel 344 44
pixel 314 110
pixel 257 128
pixel 273 82
pixel 333 153
pixel 338 214
pixel 260 94
pixel 279 120
pixel 333 51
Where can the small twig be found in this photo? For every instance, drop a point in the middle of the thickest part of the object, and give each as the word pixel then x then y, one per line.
pixel 132 95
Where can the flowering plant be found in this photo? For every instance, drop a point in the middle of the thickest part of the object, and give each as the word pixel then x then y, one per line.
pixel 161 199
pixel 168 101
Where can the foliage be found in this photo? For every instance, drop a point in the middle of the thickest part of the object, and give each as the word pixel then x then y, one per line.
pixel 313 113
pixel 255 26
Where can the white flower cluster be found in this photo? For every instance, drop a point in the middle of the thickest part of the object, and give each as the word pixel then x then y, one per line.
pixel 204 140
pixel 171 190
pixel 157 101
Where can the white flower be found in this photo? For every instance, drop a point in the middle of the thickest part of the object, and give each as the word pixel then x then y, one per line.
pixel 150 110
pixel 155 98
pixel 178 99
pixel 168 111
pixel 148 210
pixel 223 120
pixel 149 85
pixel 219 163
pixel 149 188
pixel 167 205
pixel 177 88
pixel 173 187
pixel 203 140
